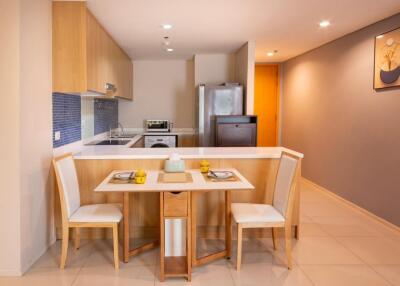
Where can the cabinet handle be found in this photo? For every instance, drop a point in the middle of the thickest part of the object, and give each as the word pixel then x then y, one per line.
pixel 110 87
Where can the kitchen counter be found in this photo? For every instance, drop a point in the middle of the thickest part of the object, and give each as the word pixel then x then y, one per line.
pixel 124 152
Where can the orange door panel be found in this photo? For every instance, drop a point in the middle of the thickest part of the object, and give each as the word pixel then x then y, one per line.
pixel 266 103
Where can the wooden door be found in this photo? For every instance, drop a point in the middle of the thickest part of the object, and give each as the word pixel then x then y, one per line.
pixel 266 103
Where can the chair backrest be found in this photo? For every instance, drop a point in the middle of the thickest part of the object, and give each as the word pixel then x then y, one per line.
pixel 68 185
pixel 284 184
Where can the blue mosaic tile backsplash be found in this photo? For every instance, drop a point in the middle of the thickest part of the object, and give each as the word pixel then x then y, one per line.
pixel 66 118
pixel 105 115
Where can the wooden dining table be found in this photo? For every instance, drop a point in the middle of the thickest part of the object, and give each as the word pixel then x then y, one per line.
pixel 177 200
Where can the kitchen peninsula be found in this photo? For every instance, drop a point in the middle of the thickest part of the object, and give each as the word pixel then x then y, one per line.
pixel 257 164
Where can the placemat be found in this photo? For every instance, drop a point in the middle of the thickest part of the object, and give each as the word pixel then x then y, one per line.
pixel 119 181
pixel 174 178
pixel 234 178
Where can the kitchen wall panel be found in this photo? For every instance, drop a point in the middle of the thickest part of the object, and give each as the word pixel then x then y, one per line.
pixel 66 118
pixel 105 115
pixel 162 89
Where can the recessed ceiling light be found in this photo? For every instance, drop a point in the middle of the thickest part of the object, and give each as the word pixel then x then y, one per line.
pixel 380 37
pixel 272 53
pixel 166 26
pixel 324 24
pixel 169 50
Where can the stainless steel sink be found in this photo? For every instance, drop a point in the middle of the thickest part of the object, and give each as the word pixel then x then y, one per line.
pixel 110 142
pixel 123 136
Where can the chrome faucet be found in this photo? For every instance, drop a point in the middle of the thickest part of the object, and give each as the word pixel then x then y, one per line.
pixel 122 129
pixel 110 135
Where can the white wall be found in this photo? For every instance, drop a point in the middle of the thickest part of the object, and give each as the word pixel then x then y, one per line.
pixel 36 130
pixel 214 68
pixel 162 89
pixel 9 149
pixel 25 119
pixel 244 73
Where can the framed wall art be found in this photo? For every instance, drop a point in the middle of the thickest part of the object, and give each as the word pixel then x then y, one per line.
pixel 387 60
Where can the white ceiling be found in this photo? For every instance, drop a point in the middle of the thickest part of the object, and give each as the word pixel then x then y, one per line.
pixel 220 26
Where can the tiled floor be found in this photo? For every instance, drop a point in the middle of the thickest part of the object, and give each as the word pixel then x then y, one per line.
pixel 338 246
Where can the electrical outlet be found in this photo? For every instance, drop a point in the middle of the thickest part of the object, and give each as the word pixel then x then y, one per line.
pixel 57 135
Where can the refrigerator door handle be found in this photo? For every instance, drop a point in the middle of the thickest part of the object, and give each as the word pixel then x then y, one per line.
pixel 201 115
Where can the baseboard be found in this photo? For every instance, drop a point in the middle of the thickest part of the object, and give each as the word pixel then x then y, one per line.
pixel 352 205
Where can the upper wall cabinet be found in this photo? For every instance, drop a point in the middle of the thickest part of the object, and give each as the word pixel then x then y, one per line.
pixel 86 59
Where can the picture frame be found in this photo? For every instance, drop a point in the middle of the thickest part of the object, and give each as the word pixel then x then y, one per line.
pixel 387 60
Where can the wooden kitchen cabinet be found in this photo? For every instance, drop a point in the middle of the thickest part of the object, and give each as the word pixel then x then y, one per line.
pixel 85 57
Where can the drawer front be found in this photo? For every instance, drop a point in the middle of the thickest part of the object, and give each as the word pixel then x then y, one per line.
pixel 176 205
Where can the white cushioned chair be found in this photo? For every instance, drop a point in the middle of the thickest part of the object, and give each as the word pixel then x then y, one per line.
pixel 76 216
pixel 277 215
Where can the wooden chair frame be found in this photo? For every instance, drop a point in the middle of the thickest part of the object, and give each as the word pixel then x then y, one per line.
pixel 66 224
pixel 286 225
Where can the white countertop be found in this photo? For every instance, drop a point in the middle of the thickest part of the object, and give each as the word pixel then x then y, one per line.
pixel 123 152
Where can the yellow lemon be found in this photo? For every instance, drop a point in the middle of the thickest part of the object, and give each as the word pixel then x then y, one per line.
pixel 140 173
pixel 140 180
pixel 204 163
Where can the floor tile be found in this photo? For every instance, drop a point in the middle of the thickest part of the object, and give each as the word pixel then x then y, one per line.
pixel 322 250
pixel 213 274
pixel 346 226
pixel 390 272
pixel 76 258
pixel 43 277
pixel 268 274
pixel 107 275
pixel 311 229
pixel 373 250
pixel 103 255
pixel 327 208
pixel 343 275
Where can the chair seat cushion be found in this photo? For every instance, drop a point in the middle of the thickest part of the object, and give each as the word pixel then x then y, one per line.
pixel 97 213
pixel 246 213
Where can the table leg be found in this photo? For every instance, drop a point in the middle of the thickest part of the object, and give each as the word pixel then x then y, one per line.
pixel 193 215
pixel 228 224
pixel 228 234
pixel 125 205
pixel 162 239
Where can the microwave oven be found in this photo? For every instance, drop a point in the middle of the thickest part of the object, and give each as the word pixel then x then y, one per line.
pixel 152 125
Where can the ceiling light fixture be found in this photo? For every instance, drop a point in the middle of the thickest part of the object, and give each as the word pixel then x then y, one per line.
pixel 166 26
pixel 379 37
pixel 324 24
pixel 272 53
pixel 169 50
pixel 166 41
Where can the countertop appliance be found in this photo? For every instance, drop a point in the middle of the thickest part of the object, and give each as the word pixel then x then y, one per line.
pixel 160 141
pixel 236 131
pixel 159 125
pixel 212 100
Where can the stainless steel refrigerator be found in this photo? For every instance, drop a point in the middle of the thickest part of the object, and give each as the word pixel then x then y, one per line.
pixel 212 100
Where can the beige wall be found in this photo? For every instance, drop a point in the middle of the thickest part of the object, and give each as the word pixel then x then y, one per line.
pixel 244 73
pixel 214 68
pixel 9 149
pixel 162 89
pixel 348 132
pixel 36 130
pixel 25 121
